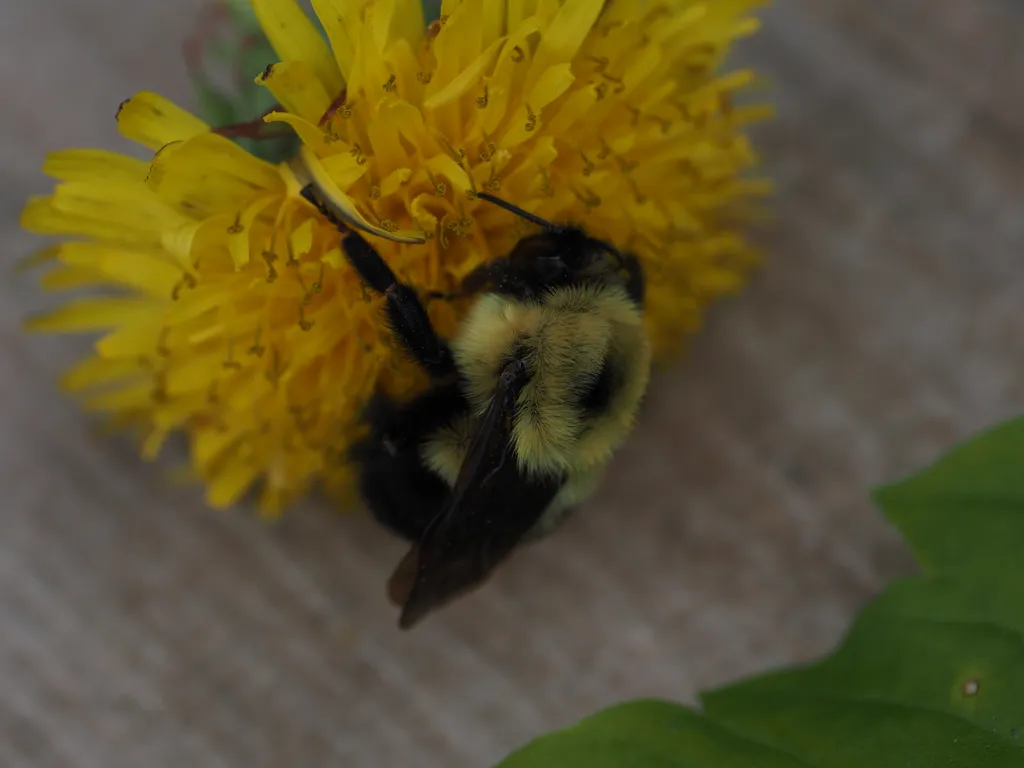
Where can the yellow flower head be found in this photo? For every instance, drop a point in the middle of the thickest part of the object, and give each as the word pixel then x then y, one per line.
pixel 238 320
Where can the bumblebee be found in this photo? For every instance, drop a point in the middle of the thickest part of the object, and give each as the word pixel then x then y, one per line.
pixel 527 403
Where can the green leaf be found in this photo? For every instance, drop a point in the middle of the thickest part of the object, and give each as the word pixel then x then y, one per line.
pixel 650 734
pixel 963 515
pixel 244 52
pixel 242 16
pixel 431 10
pixel 213 105
pixel 930 674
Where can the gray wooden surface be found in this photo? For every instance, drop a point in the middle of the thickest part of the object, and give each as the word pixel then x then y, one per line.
pixel 139 629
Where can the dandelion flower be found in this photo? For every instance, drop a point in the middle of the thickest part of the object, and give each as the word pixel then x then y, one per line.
pixel 235 319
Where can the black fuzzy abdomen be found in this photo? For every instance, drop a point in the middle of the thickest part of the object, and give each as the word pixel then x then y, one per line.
pixel 403 494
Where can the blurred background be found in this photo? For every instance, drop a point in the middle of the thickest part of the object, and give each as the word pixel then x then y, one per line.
pixel 735 532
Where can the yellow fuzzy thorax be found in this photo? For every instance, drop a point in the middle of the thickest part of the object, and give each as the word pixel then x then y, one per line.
pixel 564 338
pixel 228 312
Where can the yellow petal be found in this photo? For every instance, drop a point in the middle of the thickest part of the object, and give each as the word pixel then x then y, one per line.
pixel 194 373
pixel 523 124
pixel 746 28
pixel 136 397
pixel 502 90
pixel 132 340
pixel 95 371
pixel 297 88
pixel 564 36
pixel 341 205
pixel 407 22
pixel 88 164
pixel 126 203
pixel 553 83
pixel 294 38
pixel 69 278
pixel 301 239
pixel 572 111
pixel 137 268
pixel 39 258
pixel 492 23
pixel 272 500
pixel 468 78
pixel 209 445
pixel 208 331
pixel 542 155
pixel 369 71
pixel 344 170
pixel 670 26
pixel 205 299
pixel 444 166
pixel 91 314
pixel 390 184
pixel 404 61
pixel 385 145
pixel 333 258
pixel 458 43
pixel 409 121
pixel 113 208
pixel 717 281
pixel 154 121
pixel 210 174
pixel 340 19
pixel 197 241
pixel 379 16
pixel 643 66
pixel 421 212
pixel 240 237
pixel 518 11
pixel 153 443
pixel 230 483
pixel 39 216
pixel 310 133
pixel 173 412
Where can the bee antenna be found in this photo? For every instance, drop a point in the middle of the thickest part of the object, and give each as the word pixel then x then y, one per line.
pixel 516 210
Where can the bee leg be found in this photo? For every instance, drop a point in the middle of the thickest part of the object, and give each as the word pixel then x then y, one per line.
pixel 406 316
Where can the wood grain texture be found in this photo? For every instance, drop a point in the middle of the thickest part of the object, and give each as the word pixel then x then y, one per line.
pixel 138 628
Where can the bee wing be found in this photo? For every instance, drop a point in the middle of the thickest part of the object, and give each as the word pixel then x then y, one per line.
pixel 308 169
pixel 491 507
